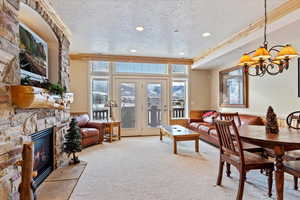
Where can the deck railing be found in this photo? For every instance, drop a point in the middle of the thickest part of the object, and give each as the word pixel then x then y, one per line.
pixel 100 114
pixel 177 112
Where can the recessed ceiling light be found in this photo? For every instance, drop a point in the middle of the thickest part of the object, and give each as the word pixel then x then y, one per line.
pixel 139 28
pixel 181 53
pixel 206 34
pixel 132 50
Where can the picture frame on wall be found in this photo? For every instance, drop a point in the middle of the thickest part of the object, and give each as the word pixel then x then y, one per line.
pixel 233 87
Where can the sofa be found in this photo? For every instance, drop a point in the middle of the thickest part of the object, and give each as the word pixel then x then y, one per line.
pixel 204 124
pixel 91 132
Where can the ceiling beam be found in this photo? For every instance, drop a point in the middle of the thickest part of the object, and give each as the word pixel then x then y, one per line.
pixel 231 43
pixel 121 58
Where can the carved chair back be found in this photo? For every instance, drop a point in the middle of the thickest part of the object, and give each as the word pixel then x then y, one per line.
pixel 294 121
pixel 229 139
pixel 232 116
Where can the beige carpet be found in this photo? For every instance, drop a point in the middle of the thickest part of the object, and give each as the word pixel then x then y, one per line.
pixel 144 168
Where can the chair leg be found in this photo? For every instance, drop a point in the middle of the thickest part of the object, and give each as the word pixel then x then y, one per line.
pixel 241 185
pixel 228 172
pixel 270 181
pixel 295 182
pixel 220 175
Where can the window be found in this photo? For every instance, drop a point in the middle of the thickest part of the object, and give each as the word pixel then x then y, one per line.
pixel 99 66
pixel 178 99
pixel 179 69
pixel 233 87
pixel 141 68
pixel 99 95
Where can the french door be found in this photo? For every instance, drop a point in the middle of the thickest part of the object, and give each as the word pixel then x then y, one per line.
pixel 143 105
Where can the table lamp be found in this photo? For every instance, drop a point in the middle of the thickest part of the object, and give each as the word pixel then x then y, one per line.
pixel 111 104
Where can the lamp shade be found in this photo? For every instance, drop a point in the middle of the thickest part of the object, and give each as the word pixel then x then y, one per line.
pixel 246 60
pixel 261 53
pixel 287 52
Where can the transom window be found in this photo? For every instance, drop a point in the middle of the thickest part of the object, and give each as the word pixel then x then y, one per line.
pixel 141 68
pixel 179 69
pixel 100 66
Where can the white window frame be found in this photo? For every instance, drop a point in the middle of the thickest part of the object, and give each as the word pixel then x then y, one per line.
pixel 104 78
pixel 186 100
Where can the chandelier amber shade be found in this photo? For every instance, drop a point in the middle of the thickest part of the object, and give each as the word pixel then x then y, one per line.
pixel 261 54
pixel 287 52
pixel 246 60
pixel 262 59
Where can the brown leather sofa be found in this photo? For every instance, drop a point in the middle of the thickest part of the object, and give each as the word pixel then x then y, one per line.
pixel 91 132
pixel 204 124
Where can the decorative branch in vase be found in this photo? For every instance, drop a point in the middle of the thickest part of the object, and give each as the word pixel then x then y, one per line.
pixel 272 123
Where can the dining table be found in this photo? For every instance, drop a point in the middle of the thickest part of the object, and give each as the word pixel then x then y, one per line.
pixel 286 140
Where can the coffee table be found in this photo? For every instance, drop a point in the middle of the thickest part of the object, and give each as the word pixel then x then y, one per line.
pixel 179 133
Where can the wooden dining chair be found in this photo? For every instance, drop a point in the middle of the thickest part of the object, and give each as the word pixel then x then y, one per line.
pixel 232 116
pixel 293 168
pixel 235 155
pixel 292 158
pixel 246 146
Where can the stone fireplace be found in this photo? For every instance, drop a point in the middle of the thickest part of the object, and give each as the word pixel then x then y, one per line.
pixel 17 125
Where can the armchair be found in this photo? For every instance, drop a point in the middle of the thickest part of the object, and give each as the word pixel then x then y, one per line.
pixel 91 132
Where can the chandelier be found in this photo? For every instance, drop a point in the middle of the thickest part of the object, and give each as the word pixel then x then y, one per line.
pixel 264 60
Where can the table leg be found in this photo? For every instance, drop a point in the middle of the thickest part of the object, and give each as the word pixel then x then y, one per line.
pixel 279 173
pixel 119 131
pixel 160 132
pixel 175 146
pixel 197 145
pixel 111 134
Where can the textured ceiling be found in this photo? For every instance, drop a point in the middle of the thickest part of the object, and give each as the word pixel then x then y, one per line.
pixel 108 26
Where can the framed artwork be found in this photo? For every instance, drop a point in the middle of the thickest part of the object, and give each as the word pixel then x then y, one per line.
pixel 233 87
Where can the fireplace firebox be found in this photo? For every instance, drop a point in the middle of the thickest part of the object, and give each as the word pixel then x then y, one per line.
pixel 43 155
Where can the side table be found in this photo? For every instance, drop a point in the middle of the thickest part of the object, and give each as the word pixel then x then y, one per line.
pixel 109 129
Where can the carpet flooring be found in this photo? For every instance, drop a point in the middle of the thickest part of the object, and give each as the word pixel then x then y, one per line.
pixel 144 168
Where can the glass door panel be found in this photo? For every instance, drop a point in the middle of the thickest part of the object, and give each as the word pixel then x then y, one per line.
pixel 128 104
pixel 154 104
pixel 155 111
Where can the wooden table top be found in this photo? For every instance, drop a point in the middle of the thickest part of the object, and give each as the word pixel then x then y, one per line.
pixel 289 138
pixel 177 130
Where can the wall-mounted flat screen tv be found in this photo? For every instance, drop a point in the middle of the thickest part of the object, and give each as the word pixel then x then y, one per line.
pixel 33 55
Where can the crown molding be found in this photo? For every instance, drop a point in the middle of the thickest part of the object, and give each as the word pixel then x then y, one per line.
pixel 122 58
pixel 273 16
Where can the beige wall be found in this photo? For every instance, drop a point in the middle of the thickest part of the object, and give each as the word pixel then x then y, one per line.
pixel 278 91
pixel 200 87
pixel 79 86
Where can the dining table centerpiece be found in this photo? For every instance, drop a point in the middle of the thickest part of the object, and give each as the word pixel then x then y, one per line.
pixel 271 121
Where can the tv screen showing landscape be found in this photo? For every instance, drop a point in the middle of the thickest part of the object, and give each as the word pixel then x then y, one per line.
pixel 33 54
